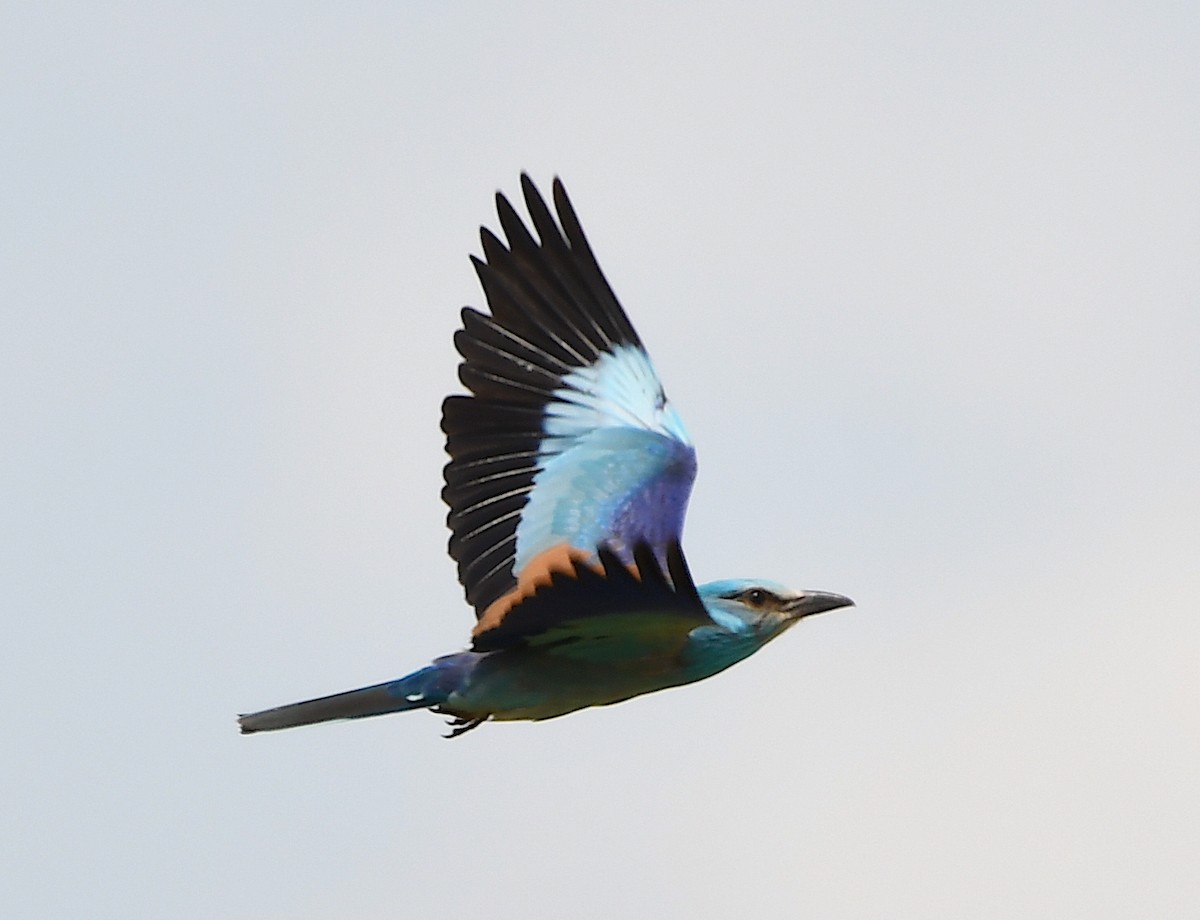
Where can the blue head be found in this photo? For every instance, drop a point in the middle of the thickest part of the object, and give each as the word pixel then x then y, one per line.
pixel 761 610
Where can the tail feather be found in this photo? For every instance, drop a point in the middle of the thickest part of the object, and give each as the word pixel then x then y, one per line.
pixel 419 690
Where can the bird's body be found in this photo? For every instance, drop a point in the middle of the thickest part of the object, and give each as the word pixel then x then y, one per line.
pixel 568 481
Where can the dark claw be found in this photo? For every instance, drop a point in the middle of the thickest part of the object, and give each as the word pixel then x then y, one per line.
pixel 460 726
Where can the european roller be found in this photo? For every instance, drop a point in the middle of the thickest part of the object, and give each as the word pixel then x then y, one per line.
pixel 568 480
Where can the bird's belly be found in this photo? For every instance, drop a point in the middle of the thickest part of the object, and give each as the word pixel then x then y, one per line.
pixel 520 685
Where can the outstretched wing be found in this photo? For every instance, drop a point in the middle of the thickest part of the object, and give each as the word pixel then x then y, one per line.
pixel 567 443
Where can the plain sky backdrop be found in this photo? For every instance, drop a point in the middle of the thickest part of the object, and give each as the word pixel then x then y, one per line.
pixel 923 280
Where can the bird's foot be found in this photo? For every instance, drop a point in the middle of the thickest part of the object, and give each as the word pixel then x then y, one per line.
pixel 460 726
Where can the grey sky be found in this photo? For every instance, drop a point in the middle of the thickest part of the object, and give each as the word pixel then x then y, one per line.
pixel 922 281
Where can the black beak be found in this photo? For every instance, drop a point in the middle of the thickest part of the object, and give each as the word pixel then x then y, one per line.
pixel 813 602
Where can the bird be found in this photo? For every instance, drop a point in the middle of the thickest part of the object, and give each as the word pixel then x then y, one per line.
pixel 567 484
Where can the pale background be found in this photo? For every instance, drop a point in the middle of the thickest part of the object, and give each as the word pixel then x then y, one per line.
pixel 924 281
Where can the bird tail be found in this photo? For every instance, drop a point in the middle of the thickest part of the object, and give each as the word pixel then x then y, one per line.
pixel 419 690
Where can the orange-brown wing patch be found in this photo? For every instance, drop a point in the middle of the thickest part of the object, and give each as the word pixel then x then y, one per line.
pixel 537 573
pixel 567 595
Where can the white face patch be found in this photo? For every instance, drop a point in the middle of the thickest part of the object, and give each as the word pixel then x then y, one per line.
pixel 620 389
pixel 726 619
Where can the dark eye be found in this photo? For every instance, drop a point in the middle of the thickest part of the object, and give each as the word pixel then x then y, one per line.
pixel 756 597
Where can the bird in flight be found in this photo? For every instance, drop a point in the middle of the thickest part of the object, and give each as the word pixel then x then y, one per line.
pixel 568 479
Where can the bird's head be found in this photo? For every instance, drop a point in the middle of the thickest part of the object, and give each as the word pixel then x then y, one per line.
pixel 764 608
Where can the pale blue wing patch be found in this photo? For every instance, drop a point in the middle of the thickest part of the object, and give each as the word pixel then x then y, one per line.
pixel 616 464
pixel 621 388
